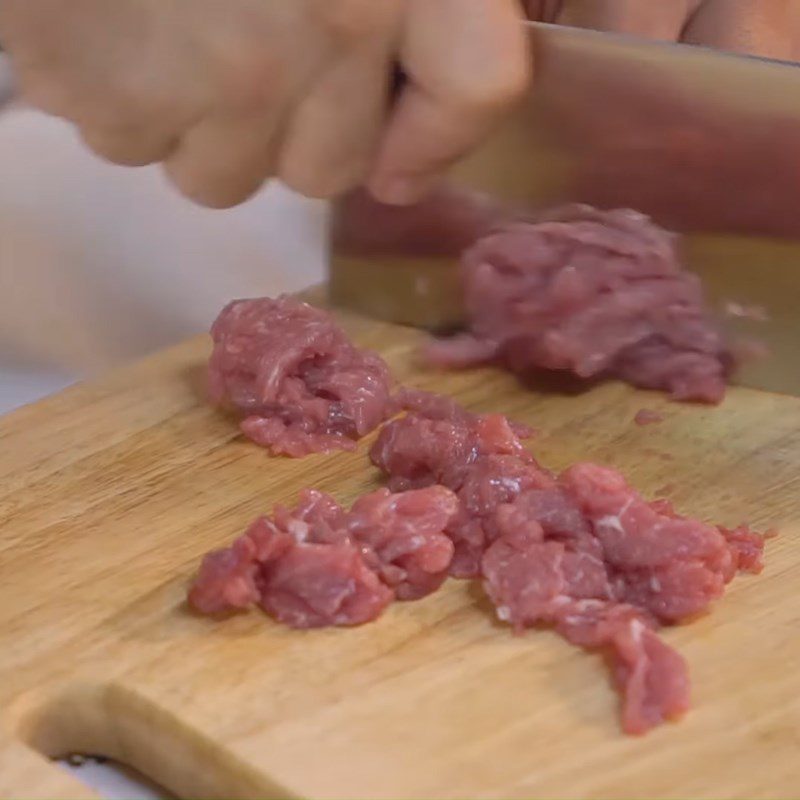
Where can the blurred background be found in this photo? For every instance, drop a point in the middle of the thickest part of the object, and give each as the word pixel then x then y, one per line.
pixel 100 264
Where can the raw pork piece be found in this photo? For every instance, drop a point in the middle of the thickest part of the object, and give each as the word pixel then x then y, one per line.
pixel 606 568
pixel 300 383
pixel 318 564
pixel 480 457
pixel 402 537
pixel 528 579
pixel 669 565
pixel 594 293
pixel 652 677
pixel 583 551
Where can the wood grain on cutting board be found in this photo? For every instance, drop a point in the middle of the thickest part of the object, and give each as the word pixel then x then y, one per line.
pixel 110 493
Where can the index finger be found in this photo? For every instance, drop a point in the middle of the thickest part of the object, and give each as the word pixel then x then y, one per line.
pixel 466 62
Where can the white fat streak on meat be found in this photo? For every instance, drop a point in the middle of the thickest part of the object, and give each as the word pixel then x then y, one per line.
pixel 614 521
pixel 636 633
pixel 580 607
pixel 342 618
pixel 298 529
pixel 512 484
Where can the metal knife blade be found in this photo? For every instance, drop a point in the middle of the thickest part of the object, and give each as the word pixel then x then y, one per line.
pixel 707 143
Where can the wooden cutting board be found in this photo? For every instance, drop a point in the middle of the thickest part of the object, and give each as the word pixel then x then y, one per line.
pixel 110 492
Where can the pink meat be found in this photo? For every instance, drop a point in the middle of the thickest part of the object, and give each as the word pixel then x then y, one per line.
pixel 593 293
pixel 314 585
pixel 652 678
pixel 480 457
pixel 527 578
pixel 583 552
pixel 299 382
pixel 438 441
pixel 439 406
pixel 747 547
pixel 402 537
pixel 491 482
pixel 318 564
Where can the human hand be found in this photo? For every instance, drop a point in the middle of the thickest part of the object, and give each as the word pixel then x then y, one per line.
pixel 756 27
pixel 230 93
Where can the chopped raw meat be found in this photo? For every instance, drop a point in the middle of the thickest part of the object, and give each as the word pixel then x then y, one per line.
pixel 646 416
pixel 312 585
pixel 480 457
pixel 594 293
pixel 491 482
pixel 318 564
pixel 747 547
pixel 583 551
pixel 652 678
pixel 440 406
pixel 402 537
pixel 527 579
pixel 439 440
pixel 300 383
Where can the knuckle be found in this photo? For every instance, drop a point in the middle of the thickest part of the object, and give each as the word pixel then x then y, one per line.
pixel 248 78
pixel 349 21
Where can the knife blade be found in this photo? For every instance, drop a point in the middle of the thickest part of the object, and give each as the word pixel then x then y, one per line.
pixel 707 143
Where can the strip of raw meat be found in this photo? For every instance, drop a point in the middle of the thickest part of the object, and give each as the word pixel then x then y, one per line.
pixel 594 293
pixel 318 564
pixel 529 582
pixel 652 677
pixel 301 384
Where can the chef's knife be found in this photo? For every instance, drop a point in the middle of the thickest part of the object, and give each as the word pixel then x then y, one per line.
pixel 707 143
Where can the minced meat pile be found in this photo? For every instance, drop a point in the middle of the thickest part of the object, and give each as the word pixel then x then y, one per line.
pixel 593 293
pixel 581 551
pixel 301 385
